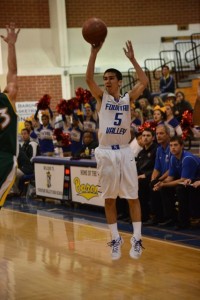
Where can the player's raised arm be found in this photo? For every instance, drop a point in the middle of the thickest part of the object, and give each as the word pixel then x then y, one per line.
pixel 11 39
pixel 143 80
pixel 93 86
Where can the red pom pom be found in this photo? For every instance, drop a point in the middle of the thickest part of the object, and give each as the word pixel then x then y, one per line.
pixel 145 125
pixel 187 124
pixel 65 139
pixel 44 102
pixel 67 107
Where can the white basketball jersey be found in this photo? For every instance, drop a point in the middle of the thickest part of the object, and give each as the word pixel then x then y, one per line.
pixel 114 120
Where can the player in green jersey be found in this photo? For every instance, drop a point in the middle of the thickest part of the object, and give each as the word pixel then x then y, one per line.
pixel 8 118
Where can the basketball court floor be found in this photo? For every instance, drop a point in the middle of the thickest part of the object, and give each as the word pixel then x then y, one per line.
pixel 53 251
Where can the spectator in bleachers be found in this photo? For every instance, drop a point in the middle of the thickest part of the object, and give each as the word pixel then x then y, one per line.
pixel 167 84
pixel 183 166
pixel 146 109
pixel 159 115
pixel 28 125
pixel 136 119
pixel 145 164
pixel 181 105
pixel 157 101
pixel 89 144
pixel 171 121
pixel 159 173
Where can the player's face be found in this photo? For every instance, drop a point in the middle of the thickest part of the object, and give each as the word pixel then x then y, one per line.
pixel 175 148
pixel 111 82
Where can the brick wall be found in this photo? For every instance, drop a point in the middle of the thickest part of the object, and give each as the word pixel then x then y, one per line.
pixel 25 13
pixel 35 13
pixel 34 87
pixel 133 12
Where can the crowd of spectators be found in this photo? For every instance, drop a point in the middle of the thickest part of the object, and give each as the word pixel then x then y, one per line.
pixel 161 173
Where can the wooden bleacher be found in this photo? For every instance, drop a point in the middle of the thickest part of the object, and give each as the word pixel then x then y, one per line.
pixel 190 92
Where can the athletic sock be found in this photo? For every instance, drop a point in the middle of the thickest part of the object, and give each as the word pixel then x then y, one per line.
pixel 137 230
pixel 114 231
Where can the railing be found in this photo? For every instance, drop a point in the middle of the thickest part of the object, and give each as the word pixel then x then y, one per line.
pixel 131 79
pixel 177 59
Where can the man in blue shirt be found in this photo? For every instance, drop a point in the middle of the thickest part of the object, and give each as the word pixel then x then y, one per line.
pixel 159 173
pixel 183 166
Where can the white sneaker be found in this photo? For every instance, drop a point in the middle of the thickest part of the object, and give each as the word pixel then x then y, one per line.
pixel 136 248
pixel 116 248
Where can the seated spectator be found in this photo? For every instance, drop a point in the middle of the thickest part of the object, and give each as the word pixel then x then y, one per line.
pixel 89 144
pixel 27 151
pixel 45 133
pixel 157 101
pixel 145 165
pixel 181 105
pixel 171 121
pixel 159 115
pixel 136 119
pixel 28 125
pixel 146 109
pixel 159 173
pixel 167 83
pixel 183 166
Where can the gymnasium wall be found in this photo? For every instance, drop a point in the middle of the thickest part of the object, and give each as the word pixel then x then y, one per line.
pixel 39 68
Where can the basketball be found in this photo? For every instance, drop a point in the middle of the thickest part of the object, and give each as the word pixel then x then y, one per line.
pixel 94 31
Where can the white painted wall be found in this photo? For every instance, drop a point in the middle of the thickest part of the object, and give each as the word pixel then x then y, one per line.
pixel 37 55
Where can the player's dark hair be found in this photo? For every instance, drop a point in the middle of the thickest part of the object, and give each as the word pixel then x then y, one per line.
pixel 115 71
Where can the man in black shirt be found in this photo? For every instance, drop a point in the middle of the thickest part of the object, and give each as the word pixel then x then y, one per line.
pixel 145 165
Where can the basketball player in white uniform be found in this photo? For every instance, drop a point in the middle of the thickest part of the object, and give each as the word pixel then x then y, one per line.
pixel 115 160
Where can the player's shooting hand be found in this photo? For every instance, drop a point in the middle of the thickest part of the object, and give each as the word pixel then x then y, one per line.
pixel 12 34
pixel 95 48
pixel 129 50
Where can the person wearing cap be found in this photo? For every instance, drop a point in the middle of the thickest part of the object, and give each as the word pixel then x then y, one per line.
pixel 181 105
